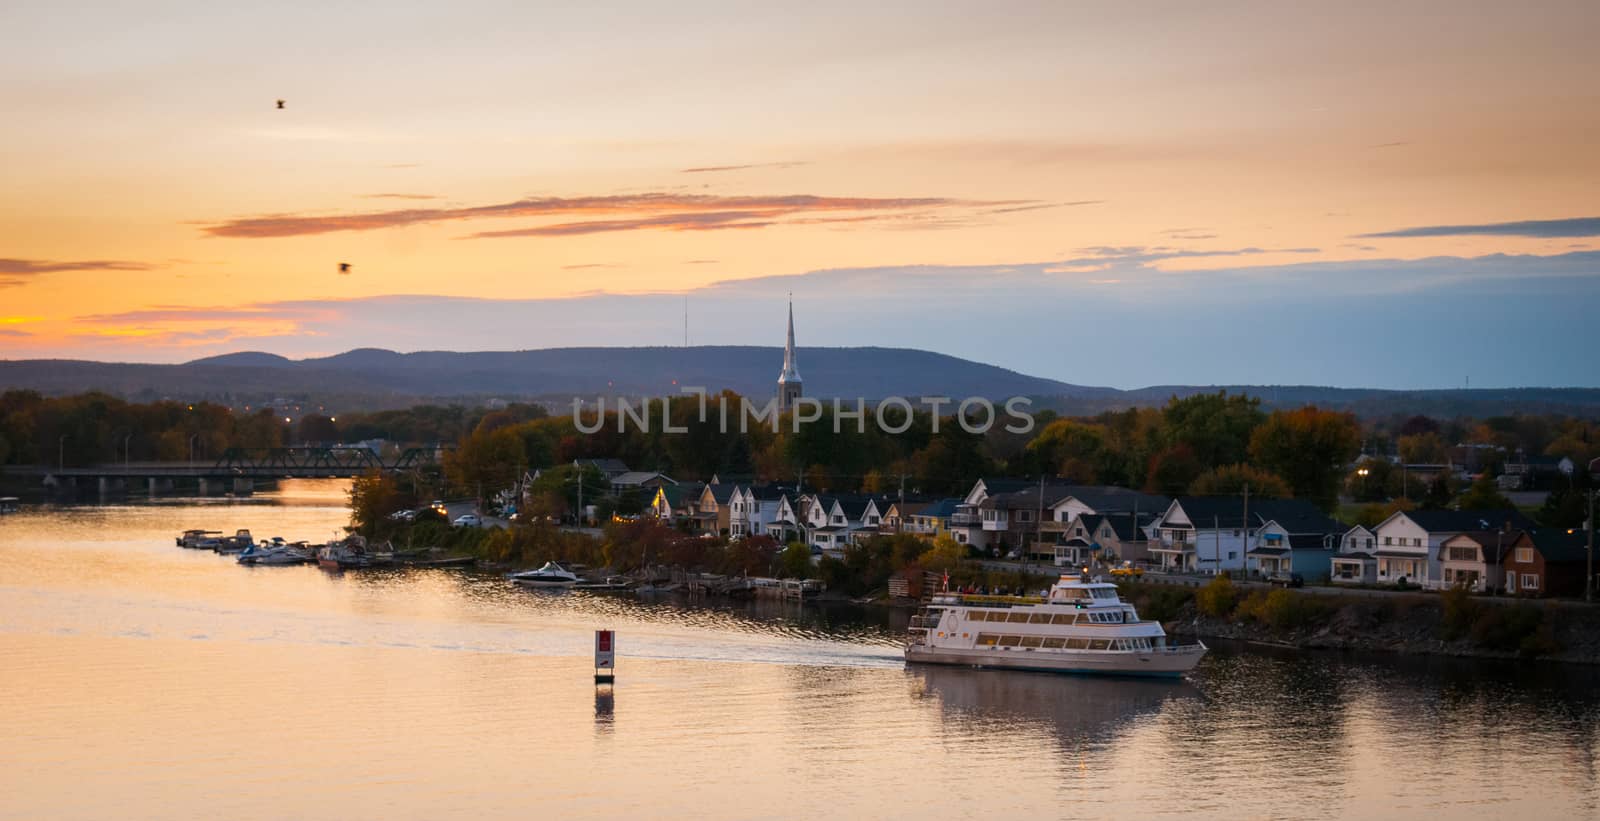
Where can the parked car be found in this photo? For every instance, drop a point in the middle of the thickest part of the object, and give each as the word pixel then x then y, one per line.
pixel 403 515
pixel 1287 580
pixel 1126 570
pixel 468 520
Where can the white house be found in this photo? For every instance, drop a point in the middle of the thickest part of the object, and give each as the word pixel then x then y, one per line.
pixel 1409 541
pixel 1355 562
pixel 1210 534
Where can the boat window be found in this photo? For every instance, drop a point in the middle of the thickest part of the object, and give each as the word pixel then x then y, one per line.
pixel 1077 644
pixel 1063 618
pixel 1017 618
pixel 1099 644
pixel 1054 643
pixel 1009 641
pixel 987 639
pixel 1031 641
pixel 1039 618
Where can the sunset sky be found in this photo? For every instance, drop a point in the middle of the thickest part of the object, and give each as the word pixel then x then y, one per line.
pixel 1384 194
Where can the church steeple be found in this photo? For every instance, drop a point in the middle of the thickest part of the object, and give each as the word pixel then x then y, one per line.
pixel 789 380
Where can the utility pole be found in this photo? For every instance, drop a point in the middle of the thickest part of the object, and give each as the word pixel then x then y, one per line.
pixel 1245 524
pixel 126 447
pixel 579 469
pixel 61 453
pixel 1038 528
pixel 1588 581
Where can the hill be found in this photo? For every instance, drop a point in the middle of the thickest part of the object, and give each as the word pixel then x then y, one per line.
pixel 375 378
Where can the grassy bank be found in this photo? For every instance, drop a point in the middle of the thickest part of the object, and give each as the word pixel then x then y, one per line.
pixel 1454 623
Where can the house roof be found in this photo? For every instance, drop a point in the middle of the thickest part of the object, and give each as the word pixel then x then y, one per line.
pixel 1307 541
pixel 1112 499
pixel 721 493
pixel 1121 523
pixel 1461 521
pixel 1267 551
pixel 769 492
pixel 942 509
pixel 909 508
pixel 610 467
pixel 639 477
pixel 1557 545
pixel 1227 513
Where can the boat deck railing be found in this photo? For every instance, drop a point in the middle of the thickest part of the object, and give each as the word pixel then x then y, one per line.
pixel 983 600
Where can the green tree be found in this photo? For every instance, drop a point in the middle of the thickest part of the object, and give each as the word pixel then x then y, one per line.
pixel 945 554
pixel 1309 448
pixel 1483 495
pixel 795 561
pixel 1216 427
pixel 1230 480
pixel 373 497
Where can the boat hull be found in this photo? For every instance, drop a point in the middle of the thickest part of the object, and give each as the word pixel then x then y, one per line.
pixel 545 584
pixel 1155 664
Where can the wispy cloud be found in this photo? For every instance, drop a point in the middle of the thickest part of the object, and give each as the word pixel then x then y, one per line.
pixel 1393 144
pixel 701 261
pixel 657 210
pixel 1539 229
pixel 712 169
pixel 399 196
pixel 587 265
pixel 15 272
pixel 1042 205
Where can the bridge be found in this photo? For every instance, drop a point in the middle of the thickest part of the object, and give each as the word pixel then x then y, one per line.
pixel 236 470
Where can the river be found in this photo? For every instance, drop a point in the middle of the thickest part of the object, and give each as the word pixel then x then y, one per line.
pixel 141 680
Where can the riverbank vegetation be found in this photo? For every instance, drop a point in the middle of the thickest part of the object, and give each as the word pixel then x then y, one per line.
pixel 1454 623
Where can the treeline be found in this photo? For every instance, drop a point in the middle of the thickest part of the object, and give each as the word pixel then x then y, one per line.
pixel 98 428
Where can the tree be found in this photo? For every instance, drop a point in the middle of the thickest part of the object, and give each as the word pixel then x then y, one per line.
pixel 373 496
pixel 945 554
pixel 1423 449
pixel 795 561
pixel 1230 480
pixel 1216 427
pixel 1172 470
pixel 317 429
pixel 1309 448
pixel 488 460
pixel 1483 495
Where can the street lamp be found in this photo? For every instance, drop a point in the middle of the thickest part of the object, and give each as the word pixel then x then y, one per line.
pixel 61 453
pixel 192 439
pixel 1362 472
pixel 125 448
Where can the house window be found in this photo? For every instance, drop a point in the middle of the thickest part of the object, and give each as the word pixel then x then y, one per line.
pixel 1415 542
pixel 1024 515
pixel 1530 581
pixel 1463 554
pixel 1387 540
pixel 1233 554
pixel 1525 555
pixel 1369 542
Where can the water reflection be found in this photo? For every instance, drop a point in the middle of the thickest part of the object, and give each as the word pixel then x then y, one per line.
pixel 604 707
pixel 1077 709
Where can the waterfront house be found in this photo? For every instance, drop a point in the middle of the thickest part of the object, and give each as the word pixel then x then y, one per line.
pixel 897 515
pixel 969 524
pixel 1473 559
pixel 1355 561
pixel 932 520
pixel 716 509
pixel 757 510
pixel 1547 562
pixel 1209 534
pixel 1118 536
pixel 1409 541
pixel 639 481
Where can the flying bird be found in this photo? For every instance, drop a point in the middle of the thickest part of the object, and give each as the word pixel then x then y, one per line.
pixel 344 267
pixel 280 104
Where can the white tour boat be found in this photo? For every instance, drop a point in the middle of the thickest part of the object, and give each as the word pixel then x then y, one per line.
pixel 1080 627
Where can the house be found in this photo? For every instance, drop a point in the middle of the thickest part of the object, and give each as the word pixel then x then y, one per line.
pixel 897 515
pixel 1409 540
pixel 677 505
pixel 933 520
pixel 825 524
pixel 760 510
pixel 1547 562
pixel 612 468
pixel 1117 536
pixel 638 481
pixel 716 508
pixel 1473 559
pixel 1210 534
pixel 1080 500
pixel 1355 562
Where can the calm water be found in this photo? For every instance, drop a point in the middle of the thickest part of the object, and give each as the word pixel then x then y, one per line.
pixel 140 680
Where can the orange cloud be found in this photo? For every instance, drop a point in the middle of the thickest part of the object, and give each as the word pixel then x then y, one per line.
pixel 761 207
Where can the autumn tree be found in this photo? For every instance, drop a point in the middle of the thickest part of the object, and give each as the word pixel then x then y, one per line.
pixel 1309 448
pixel 1230 480
pixel 373 496
pixel 1215 426
pixel 1423 449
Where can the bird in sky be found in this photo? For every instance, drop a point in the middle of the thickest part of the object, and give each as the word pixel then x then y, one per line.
pixel 344 267
pixel 280 104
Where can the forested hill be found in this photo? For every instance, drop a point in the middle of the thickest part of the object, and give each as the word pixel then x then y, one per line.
pixel 373 378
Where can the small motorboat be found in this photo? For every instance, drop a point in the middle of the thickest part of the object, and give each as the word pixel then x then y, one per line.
pixel 268 553
pixel 352 553
pixel 200 539
pixel 551 575
pixel 9 504
pixel 240 541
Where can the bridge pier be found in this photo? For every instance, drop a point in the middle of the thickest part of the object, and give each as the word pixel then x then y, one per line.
pixel 112 484
pixel 243 486
pixel 158 485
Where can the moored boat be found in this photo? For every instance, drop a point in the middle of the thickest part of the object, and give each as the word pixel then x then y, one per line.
pixel 353 552
pixel 551 575
pixel 200 539
pixel 1078 627
pixel 240 541
pixel 268 553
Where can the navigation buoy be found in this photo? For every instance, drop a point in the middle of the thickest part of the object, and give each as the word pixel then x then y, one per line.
pixel 605 656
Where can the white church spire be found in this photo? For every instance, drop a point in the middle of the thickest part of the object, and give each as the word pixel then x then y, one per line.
pixel 789 380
